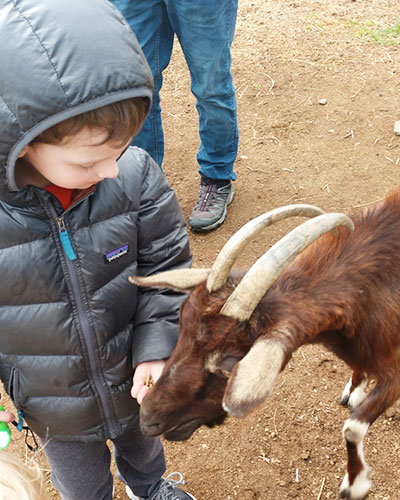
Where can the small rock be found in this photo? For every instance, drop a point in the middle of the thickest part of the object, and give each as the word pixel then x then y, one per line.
pixel 305 455
pixel 397 127
pixel 323 101
pixel 390 412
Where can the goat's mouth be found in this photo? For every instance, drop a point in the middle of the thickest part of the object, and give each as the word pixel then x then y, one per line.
pixel 153 423
pixel 177 432
pixel 182 431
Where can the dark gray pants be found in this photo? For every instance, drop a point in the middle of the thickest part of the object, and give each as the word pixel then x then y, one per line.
pixel 81 471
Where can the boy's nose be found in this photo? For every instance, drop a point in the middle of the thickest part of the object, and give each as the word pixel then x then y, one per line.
pixel 108 171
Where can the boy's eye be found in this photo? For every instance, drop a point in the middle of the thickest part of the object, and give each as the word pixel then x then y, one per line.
pixel 88 166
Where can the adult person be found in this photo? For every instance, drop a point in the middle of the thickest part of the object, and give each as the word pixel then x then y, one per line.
pixel 205 30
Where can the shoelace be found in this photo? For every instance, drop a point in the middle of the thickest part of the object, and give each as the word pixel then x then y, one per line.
pixel 211 196
pixel 166 492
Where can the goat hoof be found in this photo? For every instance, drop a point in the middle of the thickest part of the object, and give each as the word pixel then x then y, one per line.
pixel 348 495
pixel 360 487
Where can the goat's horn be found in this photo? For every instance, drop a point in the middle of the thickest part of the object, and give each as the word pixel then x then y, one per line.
pixel 266 269
pixel 181 280
pixel 230 251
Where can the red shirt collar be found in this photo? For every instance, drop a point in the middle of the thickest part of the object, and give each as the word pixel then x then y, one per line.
pixel 64 195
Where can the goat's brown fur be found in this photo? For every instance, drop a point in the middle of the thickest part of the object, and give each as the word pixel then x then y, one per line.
pixel 342 292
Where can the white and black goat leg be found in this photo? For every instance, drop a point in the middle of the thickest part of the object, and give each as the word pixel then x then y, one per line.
pixel 356 483
pixel 354 394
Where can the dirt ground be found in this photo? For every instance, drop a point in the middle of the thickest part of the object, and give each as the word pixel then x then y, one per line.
pixel 341 156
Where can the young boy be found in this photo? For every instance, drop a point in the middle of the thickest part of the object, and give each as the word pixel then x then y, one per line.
pixel 79 213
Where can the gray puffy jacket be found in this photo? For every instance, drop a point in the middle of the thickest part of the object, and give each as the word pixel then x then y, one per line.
pixel 72 328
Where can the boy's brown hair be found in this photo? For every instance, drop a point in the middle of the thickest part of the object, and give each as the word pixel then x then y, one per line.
pixel 122 120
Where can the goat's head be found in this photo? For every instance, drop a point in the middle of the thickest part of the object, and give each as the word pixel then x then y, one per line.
pixel 190 391
pixel 219 365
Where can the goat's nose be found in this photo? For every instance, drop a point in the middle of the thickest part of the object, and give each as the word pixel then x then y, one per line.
pixel 148 422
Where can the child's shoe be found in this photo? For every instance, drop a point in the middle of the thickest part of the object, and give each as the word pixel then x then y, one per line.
pixel 165 489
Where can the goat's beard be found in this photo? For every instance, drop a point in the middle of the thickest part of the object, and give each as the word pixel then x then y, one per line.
pixel 182 432
pixel 217 421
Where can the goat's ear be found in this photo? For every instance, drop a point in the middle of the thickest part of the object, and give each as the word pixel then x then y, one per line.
pixel 227 364
pixel 253 378
pixel 180 280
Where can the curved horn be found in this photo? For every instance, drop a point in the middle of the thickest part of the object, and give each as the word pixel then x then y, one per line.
pixel 266 269
pixel 230 251
pixel 181 280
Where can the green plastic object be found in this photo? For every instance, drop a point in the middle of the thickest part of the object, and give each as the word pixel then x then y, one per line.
pixel 5 433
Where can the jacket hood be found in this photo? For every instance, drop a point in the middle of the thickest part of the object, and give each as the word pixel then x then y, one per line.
pixel 59 59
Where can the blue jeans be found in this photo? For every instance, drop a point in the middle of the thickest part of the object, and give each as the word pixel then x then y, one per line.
pixel 205 30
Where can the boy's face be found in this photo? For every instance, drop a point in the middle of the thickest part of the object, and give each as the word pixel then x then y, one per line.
pixel 79 162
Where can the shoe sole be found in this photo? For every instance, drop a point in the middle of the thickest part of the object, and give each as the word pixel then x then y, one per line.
pixel 130 493
pixel 219 222
pixel 132 496
pixel 191 496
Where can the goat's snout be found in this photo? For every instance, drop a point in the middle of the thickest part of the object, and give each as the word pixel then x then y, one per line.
pixel 149 423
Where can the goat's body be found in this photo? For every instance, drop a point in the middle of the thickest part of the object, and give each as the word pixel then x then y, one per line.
pixel 342 292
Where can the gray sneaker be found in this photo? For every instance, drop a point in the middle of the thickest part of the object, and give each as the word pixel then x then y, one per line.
pixel 210 209
pixel 165 489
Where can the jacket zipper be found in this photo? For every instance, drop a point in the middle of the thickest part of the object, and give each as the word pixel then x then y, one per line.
pixel 65 239
pixel 13 390
pixel 94 363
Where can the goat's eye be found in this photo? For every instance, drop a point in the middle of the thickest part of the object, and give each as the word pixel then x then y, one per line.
pixel 223 373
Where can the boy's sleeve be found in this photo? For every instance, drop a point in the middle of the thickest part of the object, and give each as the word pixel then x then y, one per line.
pixel 163 244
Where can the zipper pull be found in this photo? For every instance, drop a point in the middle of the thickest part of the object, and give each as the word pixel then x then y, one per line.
pixel 20 424
pixel 65 239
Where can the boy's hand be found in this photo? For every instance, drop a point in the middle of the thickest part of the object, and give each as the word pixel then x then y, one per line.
pixel 6 416
pixel 143 371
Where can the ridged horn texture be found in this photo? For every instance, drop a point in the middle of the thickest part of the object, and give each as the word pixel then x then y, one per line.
pixel 177 279
pixel 267 268
pixel 232 248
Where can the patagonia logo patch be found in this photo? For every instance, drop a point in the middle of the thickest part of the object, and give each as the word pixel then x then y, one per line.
pixel 117 253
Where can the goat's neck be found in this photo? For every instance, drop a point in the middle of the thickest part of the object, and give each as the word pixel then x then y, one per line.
pixel 298 315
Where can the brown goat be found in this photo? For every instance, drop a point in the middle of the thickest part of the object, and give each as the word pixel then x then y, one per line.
pixel 343 291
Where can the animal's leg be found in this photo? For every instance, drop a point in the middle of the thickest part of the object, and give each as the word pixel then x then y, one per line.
pixel 353 394
pixel 356 483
